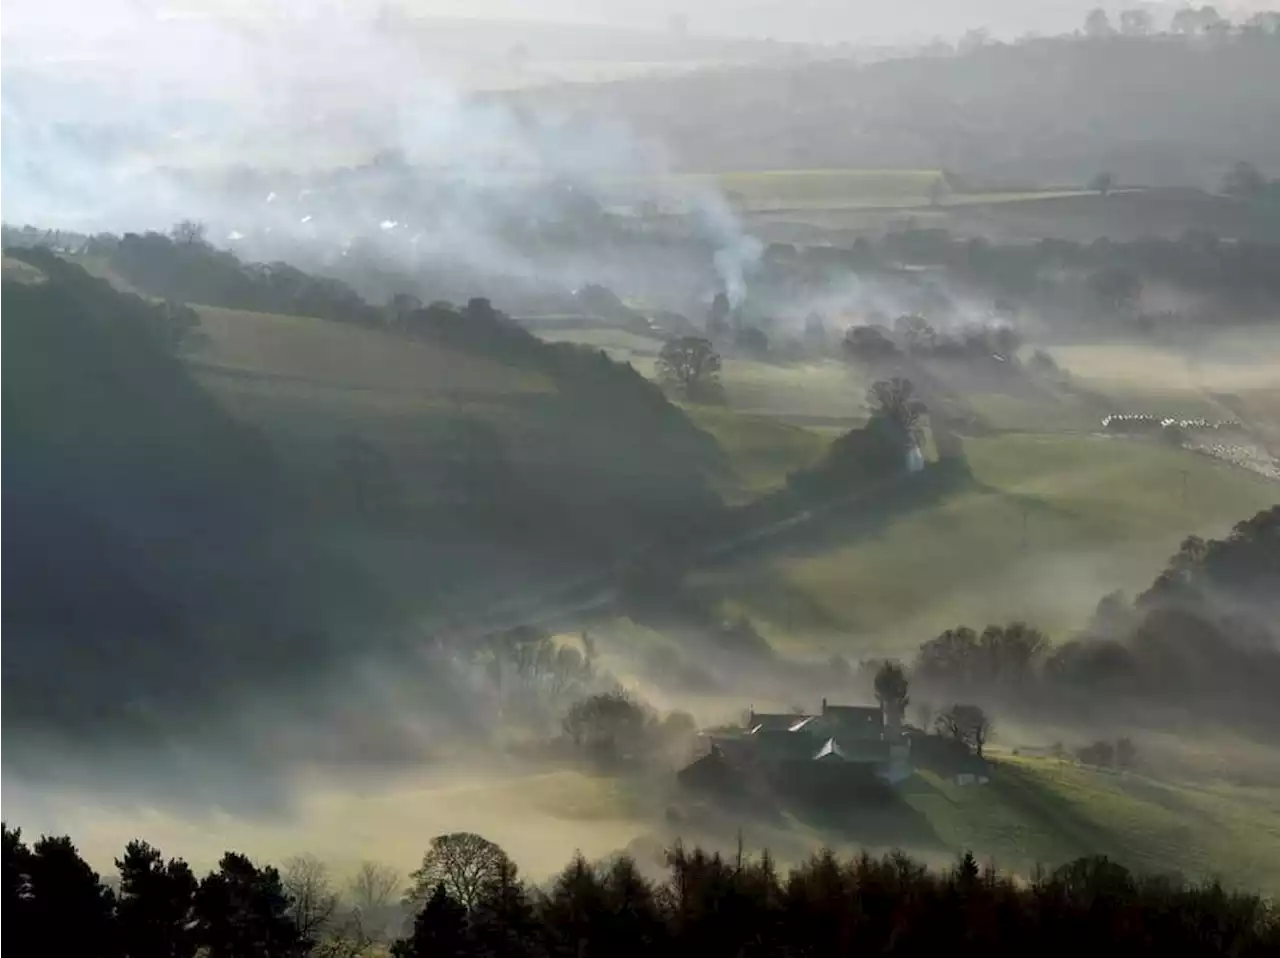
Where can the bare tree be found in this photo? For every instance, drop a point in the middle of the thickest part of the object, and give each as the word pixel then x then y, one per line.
pixel 967 724
pixel 375 886
pixel 894 399
pixel 691 363
pixel 464 862
pixel 313 901
pixel 374 893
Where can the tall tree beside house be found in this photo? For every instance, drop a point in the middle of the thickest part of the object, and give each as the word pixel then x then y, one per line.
pixel 891 692
pixel 894 401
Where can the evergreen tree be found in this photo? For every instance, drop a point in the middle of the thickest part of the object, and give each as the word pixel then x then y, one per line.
pixel 157 904
pixel 439 930
pixel 71 911
pixel 243 912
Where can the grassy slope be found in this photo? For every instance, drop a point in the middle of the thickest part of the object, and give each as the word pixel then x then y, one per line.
pixel 760 450
pixel 1101 514
pixel 342 355
pixel 1041 810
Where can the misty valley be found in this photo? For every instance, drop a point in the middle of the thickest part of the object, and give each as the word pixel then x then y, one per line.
pixel 490 488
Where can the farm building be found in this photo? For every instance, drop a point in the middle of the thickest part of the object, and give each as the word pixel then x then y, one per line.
pixel 843 750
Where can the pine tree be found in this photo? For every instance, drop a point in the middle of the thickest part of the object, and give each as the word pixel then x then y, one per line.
pixel 439 930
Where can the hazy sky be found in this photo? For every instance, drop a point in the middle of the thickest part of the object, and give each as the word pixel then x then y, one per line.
pixel 805 20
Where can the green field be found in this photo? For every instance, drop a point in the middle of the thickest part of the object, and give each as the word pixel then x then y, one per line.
pixel 761 451
pixel 836 190
pixel 1054 518
pixel 339 355
pixel 1100 514
pixel 1046 811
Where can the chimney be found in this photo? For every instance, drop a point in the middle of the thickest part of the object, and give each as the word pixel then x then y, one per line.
pixel 824 705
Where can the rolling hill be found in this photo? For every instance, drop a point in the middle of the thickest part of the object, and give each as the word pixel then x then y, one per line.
pixel 1039 111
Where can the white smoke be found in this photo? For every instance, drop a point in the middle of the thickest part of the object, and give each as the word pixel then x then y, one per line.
pixel 129 122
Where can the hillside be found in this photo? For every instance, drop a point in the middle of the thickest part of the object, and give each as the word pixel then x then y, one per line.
pixel 144 522
pixel 1039 111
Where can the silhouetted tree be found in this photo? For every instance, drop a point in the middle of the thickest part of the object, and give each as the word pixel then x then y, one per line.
pixel 1102 183
pixel 373 894
pixel 502 921
pixel 891 691
pixel 156 908
pixel 439 929
pixel 68 909
pixel 966 724
pixel 16 905
pixel 312 901
pixel 463 862
pixel 243 912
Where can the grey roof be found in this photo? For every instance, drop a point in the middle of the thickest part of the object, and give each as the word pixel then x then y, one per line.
pixel 772 720
pixel 830 749
pixel 856 720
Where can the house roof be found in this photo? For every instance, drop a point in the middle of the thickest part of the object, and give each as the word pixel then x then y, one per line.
pixel 830 749
pixel 857 751
pixel 856 720
pixel 772 720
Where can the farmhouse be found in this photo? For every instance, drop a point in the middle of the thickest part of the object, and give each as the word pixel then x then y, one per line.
pixel 841 750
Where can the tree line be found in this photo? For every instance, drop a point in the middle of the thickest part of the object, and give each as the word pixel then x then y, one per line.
pixel 468 899
pixel 1234 271
pixel 1200 637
